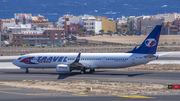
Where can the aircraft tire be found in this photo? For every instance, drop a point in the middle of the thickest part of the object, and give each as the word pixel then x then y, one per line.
pixel 92 70
pixel 83 71
pixel 27 71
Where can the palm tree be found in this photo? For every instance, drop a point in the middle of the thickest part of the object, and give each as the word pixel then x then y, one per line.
pixel 80 32
pixel 110 32
pixel 121 30
pixel 102 32
pixel 92 32
pixel 84 30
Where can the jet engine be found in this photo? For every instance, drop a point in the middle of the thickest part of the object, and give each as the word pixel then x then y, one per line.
pixel 63 68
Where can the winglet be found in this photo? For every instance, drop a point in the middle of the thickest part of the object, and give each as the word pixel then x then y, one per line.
pixel 78 57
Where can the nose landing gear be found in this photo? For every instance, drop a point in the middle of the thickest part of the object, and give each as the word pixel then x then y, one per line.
pixel 27 71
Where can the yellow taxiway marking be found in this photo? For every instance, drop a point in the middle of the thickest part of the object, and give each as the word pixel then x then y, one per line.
pixel 10 89
pixel 134 96
pixel 170 55
pixel 171 61
pixel 80 95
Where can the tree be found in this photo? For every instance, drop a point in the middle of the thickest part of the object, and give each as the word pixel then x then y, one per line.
pixel 110 32
pixel 130 33
pixel 102 32
pixel 92 32
pixel 84 29
pixel 80 32
pixel 121 30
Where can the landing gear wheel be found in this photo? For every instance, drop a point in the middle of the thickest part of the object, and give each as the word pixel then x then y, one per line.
pixel 27 71
pixel 83 71
pixel 92 70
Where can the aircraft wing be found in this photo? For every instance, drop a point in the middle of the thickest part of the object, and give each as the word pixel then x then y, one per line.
pixel 77 64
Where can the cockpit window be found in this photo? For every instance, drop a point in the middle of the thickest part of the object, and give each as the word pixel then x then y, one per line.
pixel 20 58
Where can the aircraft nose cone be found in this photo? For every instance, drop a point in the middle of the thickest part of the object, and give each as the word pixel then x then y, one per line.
pixel 14 62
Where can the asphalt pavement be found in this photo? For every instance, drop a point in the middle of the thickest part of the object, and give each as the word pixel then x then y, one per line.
pixel 10 72
pixel 100 75
pixel 22 94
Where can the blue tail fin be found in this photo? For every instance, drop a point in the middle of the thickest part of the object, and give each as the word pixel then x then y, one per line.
pixel 150 44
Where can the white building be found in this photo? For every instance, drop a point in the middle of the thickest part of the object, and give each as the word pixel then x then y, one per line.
pixel 23 18
pixel 167 17
pixel 73 20
pixel 18 29
pixel 8 23
pixel 98 26
pixel 61 21
pixel 119 21
pixel 88 22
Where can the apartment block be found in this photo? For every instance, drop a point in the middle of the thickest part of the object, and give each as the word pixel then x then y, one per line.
pixel 171 29
pixel 5 23
pixel 73 28
pixel 47 37
pixel 89 22
pixel 40 23
pixel 177 23
pixel 98 26
pixel 120 22
pixel 167 17
pixel 17 29
pixel 62 21
pixel 23 18
pixel 108 25
pixel 147 25
pixel 130 23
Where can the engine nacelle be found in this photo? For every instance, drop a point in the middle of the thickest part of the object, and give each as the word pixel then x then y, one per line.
pixel 63 68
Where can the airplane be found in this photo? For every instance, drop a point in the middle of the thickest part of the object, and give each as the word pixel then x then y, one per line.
pixel 67 62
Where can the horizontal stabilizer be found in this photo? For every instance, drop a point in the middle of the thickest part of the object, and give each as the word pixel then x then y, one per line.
pixel 149 56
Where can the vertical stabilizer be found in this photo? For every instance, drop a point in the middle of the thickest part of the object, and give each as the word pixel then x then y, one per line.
pixel 150 44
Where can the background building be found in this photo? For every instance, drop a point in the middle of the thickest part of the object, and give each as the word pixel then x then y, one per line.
pixel 108 24
pixel 89 22
pixel 39 23
pixel 147 25
pixel 23 18
pixel 73 28
pixel 98 26
pixel 62 21
pixel 47 37
pixel 130 23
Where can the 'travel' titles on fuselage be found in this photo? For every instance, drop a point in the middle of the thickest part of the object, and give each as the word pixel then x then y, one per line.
pixel 45 59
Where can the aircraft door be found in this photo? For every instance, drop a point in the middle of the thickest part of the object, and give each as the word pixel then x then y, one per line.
pixel 133 59
pixel 104 59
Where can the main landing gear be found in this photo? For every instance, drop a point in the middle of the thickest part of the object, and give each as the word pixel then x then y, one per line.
pixel 84 71
pixel 92 70
pixel 27 71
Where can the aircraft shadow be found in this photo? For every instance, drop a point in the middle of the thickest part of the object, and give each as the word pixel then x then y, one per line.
pixel 119 74
pixel 65 75
pixel 62 76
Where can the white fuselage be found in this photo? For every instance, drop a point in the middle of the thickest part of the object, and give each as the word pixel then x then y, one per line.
pixel 93 60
